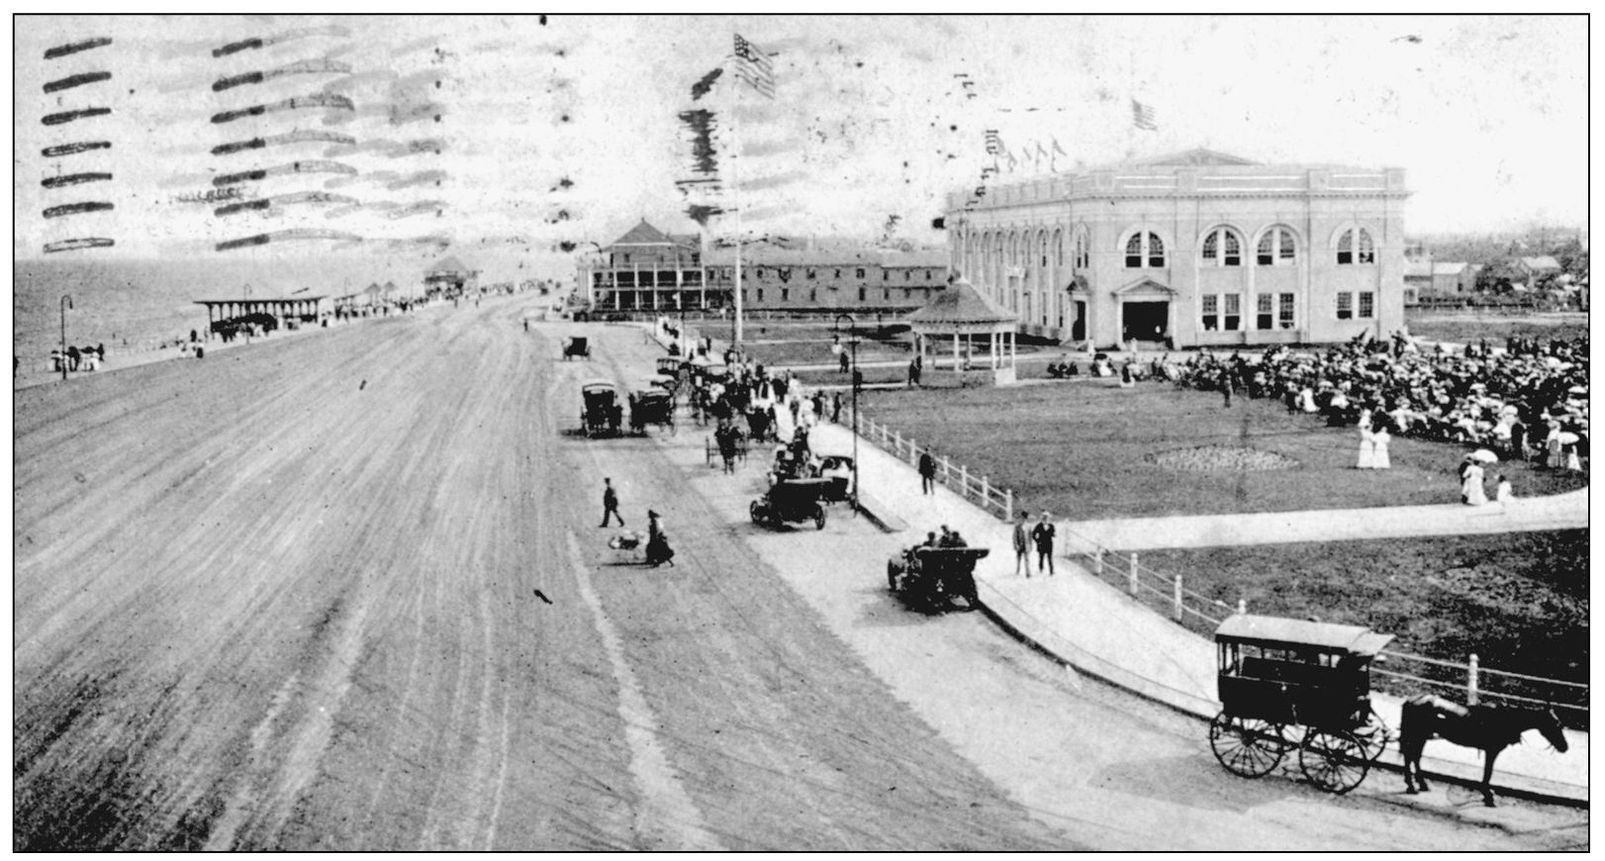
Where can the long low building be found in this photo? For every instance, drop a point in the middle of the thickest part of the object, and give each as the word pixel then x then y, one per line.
pixel 1192 249
pixel 649 270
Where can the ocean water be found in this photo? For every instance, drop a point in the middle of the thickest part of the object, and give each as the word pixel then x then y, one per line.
pixel 136 305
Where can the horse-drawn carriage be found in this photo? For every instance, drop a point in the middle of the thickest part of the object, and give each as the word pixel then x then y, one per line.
pixel 1279 675
pixel 576 346
pixel 791 501
pixel 931 577
pixel 600 413
pixel 651 408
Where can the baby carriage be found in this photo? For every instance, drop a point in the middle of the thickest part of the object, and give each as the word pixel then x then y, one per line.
pixel 630 544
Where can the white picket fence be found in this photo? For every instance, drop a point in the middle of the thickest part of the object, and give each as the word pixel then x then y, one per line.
pixel 954 476
pixel 1169 594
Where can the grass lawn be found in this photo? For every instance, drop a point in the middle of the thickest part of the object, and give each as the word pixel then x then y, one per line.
pixel 1519 601
pixel 1082 450
pixel 1459 327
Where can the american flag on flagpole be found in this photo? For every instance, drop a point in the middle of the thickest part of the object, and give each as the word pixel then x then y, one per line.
pixel 754 66
pixel 1142 116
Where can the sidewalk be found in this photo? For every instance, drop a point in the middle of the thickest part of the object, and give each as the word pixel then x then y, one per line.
pixel 1099 630
pixel 1563 511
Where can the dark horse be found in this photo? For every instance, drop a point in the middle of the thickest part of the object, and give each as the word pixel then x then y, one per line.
pixel 1489 728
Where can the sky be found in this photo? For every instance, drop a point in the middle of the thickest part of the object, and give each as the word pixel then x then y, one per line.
pixel 523 137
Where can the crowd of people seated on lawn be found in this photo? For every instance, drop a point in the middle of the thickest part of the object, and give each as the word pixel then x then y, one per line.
pixel 1531 397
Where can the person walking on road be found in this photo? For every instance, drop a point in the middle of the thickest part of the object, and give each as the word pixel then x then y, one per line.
pixel 1022 546
pixel 610 503
pixel 927 473
pixel 1042 534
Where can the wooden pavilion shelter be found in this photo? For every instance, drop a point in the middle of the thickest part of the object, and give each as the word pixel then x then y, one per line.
pixel 961 312
pixel 450 278
pixel 223 314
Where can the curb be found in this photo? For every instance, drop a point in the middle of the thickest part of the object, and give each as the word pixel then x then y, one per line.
pixel 1379 764
pixel 885 522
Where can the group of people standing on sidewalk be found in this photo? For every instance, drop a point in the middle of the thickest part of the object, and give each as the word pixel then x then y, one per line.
pixel 1039 536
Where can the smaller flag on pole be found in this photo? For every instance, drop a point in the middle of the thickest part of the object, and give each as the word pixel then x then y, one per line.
pixel 1142 116
pixel 753 66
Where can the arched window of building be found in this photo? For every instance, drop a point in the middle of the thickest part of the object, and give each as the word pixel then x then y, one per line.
pixel 1354 246
pixel 1083 257
pixel 1042 246
pixel 1058 248
pixel 1276 248
pixel 1222 247
pixel 1144 246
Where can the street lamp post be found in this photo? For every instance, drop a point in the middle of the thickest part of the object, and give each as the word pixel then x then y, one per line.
pixel 66 302
pixel 852 345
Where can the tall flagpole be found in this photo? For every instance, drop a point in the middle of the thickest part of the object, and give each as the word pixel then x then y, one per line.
pixel 735 196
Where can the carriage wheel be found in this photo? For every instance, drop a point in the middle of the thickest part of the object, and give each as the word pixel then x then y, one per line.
pixel 1248 747
pixel 757 512
pixel 1375 735
pixel 1334 761
pixel 892 571
pixel 819 517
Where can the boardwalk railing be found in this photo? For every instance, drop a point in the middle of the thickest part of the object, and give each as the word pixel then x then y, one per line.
pixel 1202 614
pixel 954 476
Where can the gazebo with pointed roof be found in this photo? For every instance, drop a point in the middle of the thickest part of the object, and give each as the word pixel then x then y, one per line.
pixel 961 311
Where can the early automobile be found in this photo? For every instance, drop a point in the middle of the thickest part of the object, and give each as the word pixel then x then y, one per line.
pixel 651 408
pixel 791 501
pixel 1290 684
pixel 576 346
pixel 600 413
pixel 931 577
pixel 838 468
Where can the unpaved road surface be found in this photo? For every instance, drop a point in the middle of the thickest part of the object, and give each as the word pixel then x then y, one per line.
pixel 347 591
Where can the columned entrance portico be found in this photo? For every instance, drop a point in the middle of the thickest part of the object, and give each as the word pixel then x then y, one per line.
pixel 1145 308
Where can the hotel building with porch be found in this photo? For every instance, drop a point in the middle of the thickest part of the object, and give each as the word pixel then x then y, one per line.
pixel 1195 249
pixel 648 270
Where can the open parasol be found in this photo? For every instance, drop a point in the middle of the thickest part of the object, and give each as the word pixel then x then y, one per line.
pixel 1483 455
pixel 1568 438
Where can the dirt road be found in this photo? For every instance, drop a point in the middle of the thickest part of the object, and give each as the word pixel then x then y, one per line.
pixel 347 591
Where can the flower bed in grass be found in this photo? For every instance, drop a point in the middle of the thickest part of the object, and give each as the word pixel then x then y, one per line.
pixel 1205 458
pixel 1087 449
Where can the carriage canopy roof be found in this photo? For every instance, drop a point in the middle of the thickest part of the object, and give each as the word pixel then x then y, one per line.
pixel 1272 630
